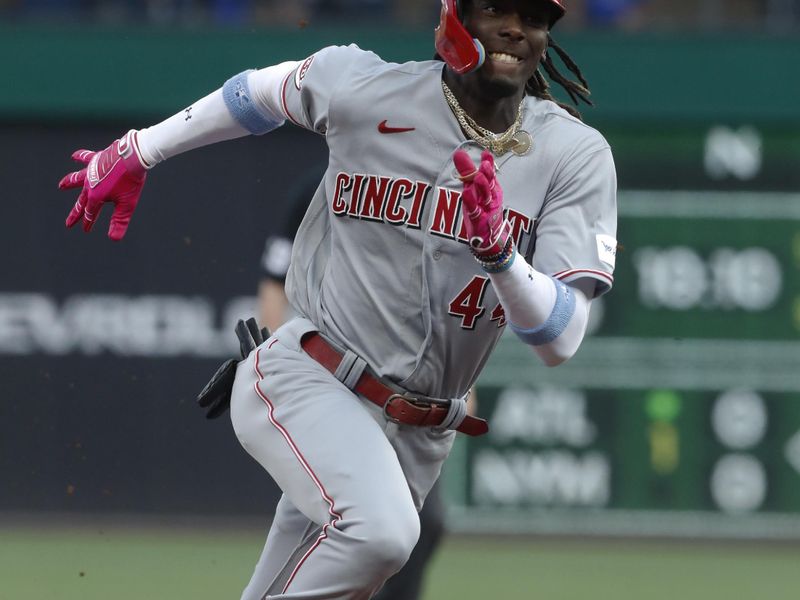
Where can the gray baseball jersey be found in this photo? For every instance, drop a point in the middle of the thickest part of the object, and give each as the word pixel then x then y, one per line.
pixel 381 263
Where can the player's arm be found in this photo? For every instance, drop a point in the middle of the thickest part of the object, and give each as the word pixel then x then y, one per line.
pixel 252 102
pixel 545 313
pixel 258 101
pixel 272 303
pixel 248 103
pixel 273 306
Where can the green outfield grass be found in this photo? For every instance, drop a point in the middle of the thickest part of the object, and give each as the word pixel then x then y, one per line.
pixel 92 563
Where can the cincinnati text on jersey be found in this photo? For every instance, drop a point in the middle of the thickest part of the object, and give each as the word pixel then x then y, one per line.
pixel 400 201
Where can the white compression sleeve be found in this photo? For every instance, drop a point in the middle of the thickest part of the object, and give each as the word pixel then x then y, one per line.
pixel 248 103
pixel 542 315
pixel 207 121
pixel 267 87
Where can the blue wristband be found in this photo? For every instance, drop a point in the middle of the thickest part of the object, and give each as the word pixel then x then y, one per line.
pixel 236 93
pixel 555 324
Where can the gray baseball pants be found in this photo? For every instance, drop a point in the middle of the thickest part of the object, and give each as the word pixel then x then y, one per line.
pixel 352 481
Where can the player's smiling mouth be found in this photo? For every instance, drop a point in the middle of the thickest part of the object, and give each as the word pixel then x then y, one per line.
pixel 504 57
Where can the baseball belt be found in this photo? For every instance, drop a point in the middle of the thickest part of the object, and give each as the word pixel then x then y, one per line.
pixel 400 408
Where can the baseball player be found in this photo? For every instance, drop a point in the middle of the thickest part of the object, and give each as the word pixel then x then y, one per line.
pixel 460 200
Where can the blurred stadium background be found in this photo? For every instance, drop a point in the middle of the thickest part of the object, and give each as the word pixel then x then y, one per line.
pixel 662 462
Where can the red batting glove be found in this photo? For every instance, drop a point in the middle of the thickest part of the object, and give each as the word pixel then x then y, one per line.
pixel 482 205
pixel 117 175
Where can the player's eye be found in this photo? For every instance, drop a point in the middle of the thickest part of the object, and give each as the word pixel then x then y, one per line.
pixel 538 20
pixel 489 8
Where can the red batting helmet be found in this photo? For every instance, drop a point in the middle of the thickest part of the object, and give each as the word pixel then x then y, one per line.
pixel 457 47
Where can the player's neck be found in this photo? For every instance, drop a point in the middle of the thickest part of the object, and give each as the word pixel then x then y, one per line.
pixel 495 113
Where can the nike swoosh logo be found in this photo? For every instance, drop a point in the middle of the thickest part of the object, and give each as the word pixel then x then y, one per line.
pixel 384 128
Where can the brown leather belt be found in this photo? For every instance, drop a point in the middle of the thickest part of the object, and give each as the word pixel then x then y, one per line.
pixel 396 407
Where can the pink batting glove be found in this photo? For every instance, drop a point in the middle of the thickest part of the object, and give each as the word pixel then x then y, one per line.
pixel 482 204
pixel 117 175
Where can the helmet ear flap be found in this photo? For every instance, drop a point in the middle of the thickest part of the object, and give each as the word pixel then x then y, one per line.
pixel 455 45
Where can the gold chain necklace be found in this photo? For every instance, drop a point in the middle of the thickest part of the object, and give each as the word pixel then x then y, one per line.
pixel 513 138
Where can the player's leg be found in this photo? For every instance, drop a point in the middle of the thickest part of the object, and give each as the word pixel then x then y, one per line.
pixel 328 453
pixel 406 584
pixel 289 530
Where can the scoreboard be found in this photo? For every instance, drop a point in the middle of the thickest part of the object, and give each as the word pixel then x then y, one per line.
pixel 680 414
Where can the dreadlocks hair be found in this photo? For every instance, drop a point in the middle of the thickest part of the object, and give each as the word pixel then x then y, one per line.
pixel 577 90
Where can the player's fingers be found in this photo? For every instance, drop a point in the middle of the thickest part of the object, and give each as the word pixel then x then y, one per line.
pixel 91 212
pixel 495 196
pixel 119 224
pixel 464 165
pixel 72 180
pixel 487 166
pixel 77 210
pixel 121 217
pixel 469 202
pixel 83 156
pixel 483 190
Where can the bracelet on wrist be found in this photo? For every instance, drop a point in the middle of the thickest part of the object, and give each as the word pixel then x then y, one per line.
pixel 497 263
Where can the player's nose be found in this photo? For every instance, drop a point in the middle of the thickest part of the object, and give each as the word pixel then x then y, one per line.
pixel 511 27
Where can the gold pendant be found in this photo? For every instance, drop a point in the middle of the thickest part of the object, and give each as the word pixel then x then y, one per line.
pixel 522 142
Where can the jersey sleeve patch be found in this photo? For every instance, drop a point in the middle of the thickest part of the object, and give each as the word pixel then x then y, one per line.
pixel 607 249
pixel 301 72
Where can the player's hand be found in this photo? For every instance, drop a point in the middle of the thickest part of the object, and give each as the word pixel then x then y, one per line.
pixel 115 175
pixel 482 204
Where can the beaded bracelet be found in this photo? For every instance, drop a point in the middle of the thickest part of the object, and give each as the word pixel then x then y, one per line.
pixel 490 258
pixel 497 263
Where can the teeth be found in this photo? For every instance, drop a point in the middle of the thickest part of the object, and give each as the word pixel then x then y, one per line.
pixel 503 57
